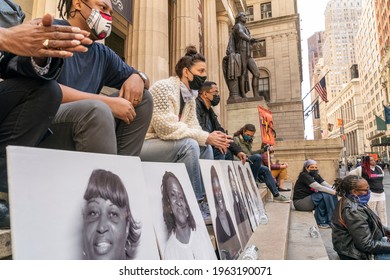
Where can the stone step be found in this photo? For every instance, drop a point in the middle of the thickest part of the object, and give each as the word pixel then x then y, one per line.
pixel 5 244
pixel 301 246
pixel 272 238
pixel 286 236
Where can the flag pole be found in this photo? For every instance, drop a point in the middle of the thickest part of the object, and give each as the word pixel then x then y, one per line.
pixel 315 85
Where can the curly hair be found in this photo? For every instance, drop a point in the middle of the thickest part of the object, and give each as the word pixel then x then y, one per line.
pixel 169 217
pixel 248 126
pixel 109 186
pixel 347 184
pixel 188 60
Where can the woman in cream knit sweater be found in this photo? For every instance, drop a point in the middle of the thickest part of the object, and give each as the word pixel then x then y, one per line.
pixel 174 134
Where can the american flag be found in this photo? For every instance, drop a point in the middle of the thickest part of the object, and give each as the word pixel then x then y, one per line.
pixel 320 87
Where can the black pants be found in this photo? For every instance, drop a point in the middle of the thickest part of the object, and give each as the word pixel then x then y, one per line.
pixel 27 107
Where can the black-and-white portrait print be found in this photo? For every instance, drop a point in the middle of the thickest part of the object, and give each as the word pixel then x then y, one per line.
pixel 64 207
pixel 179 225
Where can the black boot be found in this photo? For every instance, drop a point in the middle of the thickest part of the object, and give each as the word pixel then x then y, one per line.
pixel 4 215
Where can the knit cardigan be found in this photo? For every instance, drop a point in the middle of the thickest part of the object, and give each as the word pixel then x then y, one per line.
pixel 165 123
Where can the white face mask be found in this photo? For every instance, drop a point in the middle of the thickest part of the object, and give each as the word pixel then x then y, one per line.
pixel 100 23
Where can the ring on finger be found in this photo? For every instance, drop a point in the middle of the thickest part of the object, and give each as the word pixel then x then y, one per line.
pixel 46 43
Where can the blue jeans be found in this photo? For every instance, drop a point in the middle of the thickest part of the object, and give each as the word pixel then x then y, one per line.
pixel 185 150
pixel 382 257
pixel 324 204
pixel 263 172
pixel 220 156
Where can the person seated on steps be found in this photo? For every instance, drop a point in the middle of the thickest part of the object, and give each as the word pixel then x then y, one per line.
pixel 174 134
pixel 278 170
pixel 208 97
pixel 29 94
pixel 244 138
pixel 312 192
pixel 88 121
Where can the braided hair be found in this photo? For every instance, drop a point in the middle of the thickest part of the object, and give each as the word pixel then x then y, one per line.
pixel 64 7
pixel 346 185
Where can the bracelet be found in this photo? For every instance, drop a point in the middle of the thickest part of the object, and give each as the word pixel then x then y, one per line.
pixel 41 70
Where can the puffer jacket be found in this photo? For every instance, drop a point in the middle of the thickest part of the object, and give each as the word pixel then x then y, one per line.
pixel 357 231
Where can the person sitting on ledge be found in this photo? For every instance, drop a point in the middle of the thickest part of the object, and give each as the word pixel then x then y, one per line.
pixel 244 138
pixel 208 120
pixel 311 192
pixel 174 133
pixel 278 170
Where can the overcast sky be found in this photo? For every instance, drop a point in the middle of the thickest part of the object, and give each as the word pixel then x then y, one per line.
pixel 311 13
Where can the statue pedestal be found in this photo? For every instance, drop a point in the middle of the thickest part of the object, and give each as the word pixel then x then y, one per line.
pixel 242 111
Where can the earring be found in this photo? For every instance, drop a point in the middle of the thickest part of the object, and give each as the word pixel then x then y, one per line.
pixel 72 14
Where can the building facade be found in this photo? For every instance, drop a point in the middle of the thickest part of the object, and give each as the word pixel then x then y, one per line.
pixel 275 24
pixel 341 25
pixel 345 112
pixel 368 57
pixel 316 63
pixel 158 31
pixel 314 51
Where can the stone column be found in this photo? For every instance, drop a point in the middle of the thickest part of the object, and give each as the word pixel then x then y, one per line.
pixel 211 40
pixel 149 38
pixel 41 7
pixel 223 40
pixel 184 29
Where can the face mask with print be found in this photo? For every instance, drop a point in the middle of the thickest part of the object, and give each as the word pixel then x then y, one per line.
pixel 215 101
pixel 99 22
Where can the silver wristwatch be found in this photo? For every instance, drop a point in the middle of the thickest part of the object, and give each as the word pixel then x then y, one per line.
pixel 142 75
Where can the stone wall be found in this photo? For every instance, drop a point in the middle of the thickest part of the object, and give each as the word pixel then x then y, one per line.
pixel 239 114
pixel 326 152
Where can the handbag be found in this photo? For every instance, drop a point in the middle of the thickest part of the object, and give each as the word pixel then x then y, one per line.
pixel 10 14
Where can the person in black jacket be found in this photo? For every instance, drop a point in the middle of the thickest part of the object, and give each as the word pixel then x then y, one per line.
pixel 29 94
pixel 357 232
pixel 208 97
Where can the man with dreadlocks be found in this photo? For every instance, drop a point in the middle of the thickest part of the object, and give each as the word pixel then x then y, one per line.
pixel 87 121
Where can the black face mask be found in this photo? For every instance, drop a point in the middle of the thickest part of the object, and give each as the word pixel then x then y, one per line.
pixel 215 101
pixel 313 173
pixel 197 82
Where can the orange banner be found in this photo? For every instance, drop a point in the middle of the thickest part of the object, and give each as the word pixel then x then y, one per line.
pixel 339 122
pixel 266 126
